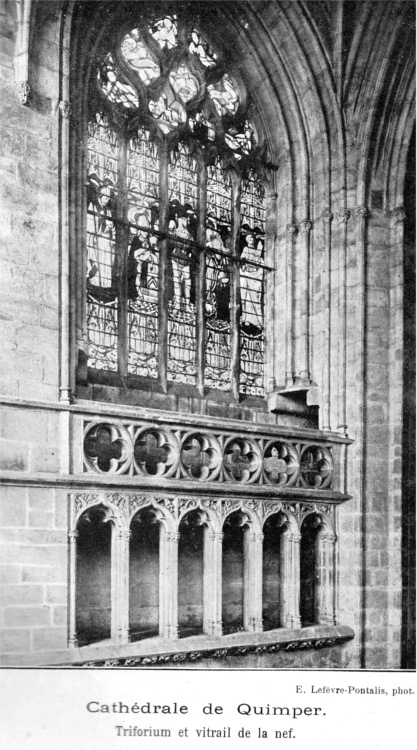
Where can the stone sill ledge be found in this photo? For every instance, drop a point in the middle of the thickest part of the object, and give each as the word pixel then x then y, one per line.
pixel 100 409
pixel 100 483
pixel 160 651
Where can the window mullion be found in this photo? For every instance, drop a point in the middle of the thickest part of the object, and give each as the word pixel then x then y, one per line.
pixel 121 259
pixel 163 265
pixel 200 280
pixel 235 293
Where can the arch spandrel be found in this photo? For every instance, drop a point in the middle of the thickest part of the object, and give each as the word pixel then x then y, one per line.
pixel 249 512
pixel 116 511
pixel 209 508
pixel 325 521
pixel 290 522
pixel 163 514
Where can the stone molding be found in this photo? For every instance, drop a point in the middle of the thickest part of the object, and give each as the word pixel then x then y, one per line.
pixel 122 507
pixel 325 637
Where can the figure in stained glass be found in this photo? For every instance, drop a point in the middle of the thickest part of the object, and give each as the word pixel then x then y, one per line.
pixel 181 255
pixel 168 115
pixel 165 32
pixel 241 141
pixel 251 283
pixel 225 96
pixel 184 84
pixel 138 57
pixel 100 231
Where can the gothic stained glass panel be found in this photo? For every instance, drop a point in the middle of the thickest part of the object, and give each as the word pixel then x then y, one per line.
pixel 167 111
pixel 139 58
pixel 111 85
pixel 217 300
pixel 164 31
pixel 182 226
pixel 241 142
pixel 251 287
pixel 198 46
pixel 143 258
pixel 225 96
pixel 102 334
pixel 102 161
pixel 184 83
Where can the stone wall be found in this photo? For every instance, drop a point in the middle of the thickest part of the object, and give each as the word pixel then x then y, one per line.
pixel 34 570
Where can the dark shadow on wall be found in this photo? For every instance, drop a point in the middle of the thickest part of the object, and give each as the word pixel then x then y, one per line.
pixel 93 605
pixel 144 576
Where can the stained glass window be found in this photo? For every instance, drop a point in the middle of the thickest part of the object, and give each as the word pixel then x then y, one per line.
pixel 175 269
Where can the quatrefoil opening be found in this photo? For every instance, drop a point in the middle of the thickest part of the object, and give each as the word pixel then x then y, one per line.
pixel 155 452
pixel 281 463
pixel 200 456
pixel 242 460
pixel 316 467
pixel 107 449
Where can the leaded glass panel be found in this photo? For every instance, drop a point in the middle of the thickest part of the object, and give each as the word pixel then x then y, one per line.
pixel 198 46
pixel 225 96
pixel 252 287
pixel 143 259
pixel 102 164
pixel 139 58
pixel 102 334
pixel 182 227
pixel 164 31
pixel 111 85
pixel 217 300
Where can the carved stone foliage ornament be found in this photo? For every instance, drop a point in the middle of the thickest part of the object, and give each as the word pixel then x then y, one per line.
pixel 149 450
pixel 283 644
pixel 122 507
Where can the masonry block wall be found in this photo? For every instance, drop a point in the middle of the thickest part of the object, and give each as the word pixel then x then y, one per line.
pixel 33 572
pixel 339 126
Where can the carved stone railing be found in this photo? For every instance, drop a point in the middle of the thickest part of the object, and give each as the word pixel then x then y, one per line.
pixel 149 451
